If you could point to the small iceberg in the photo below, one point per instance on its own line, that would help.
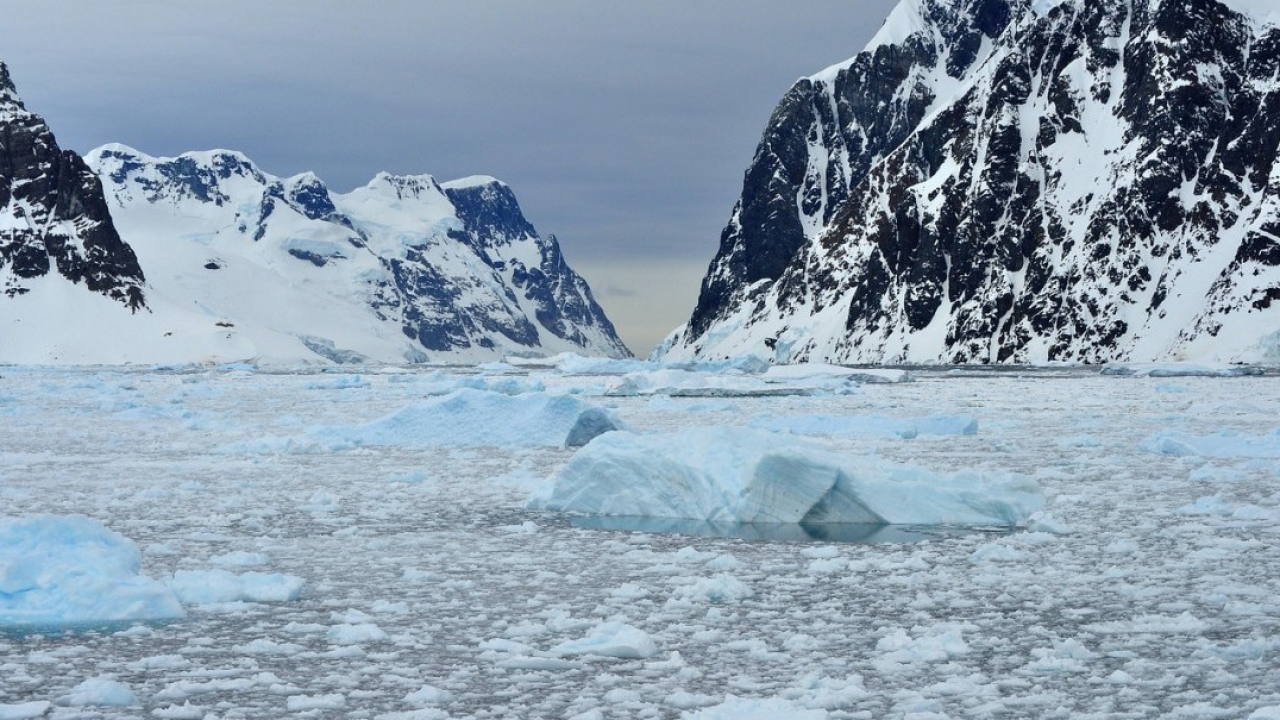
(67, 571)
(740, 475)
(470, 417)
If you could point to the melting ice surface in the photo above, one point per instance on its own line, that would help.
(1146, 587)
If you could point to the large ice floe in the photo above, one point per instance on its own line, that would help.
(480, 418)
(61, 571)
(742, 475)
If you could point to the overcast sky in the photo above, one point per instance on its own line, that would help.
(624, 128)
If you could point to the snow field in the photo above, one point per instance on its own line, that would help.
(1146, 588)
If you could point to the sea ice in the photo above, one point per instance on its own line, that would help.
(1225, 444)
(735, 708)
(66, 570)
(480, 418)
(99, 691)
(610, 639)
(749, 476)
(221, 586)
(24, 710)
(1162, 370)
(869, 426)
(685, 383)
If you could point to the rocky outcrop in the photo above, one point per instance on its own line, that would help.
(1014, 181)
(53, 216)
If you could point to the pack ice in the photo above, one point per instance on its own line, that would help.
(467, 417)
(743, 475)
(66, 570)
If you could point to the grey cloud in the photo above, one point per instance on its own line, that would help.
(623, 128)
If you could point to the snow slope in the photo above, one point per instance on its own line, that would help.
(400, 270)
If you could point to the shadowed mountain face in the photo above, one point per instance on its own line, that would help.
(1006, 181)
(53, 217)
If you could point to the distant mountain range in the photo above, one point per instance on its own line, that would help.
(204, 257)
(1015, 181)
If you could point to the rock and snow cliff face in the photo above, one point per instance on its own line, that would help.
(241, 265)
(402, 269)
(54, 221)
(1015, 181)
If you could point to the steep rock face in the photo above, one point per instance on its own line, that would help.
(53, 217)
(1012, 181)
(402, 269)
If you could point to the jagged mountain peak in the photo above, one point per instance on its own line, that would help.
(1013, 181)
(472, 181)
(54, 221)
(404, 187)
(400, 269)
(8, 93)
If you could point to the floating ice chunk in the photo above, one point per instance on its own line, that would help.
(735, 708)
(356, 634)
(855, 426)
(1208, 505)
(100, 691)
(67, 570)
(240, 558)
(1068, 656)
(22, 711)
(1225, 444)
(933, 644)
(1160, 370)
(1271, 712)
(480, 418)
(428, 695)
(1043, 522)
(748, 476)
(685, 383)
(185, 711)
(266, 646)
(995, 552)
(610, 639)
(1184, 623)
(810, 371)
(685, 700)
(521, 662)
(332, 701)
(718, 589)
(221, 586)
(816, 691)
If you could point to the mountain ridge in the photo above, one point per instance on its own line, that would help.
(1011, 181)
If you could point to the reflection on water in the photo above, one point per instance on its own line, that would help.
(854, 533)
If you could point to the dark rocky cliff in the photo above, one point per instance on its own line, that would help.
(1087, 181)
(53, 216)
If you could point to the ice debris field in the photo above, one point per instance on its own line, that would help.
(429, 543)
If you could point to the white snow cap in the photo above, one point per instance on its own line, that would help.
(471, 181)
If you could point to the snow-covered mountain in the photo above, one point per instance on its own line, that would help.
(242, 265)
(54, 223)
(1014, 181)
(402, 269)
